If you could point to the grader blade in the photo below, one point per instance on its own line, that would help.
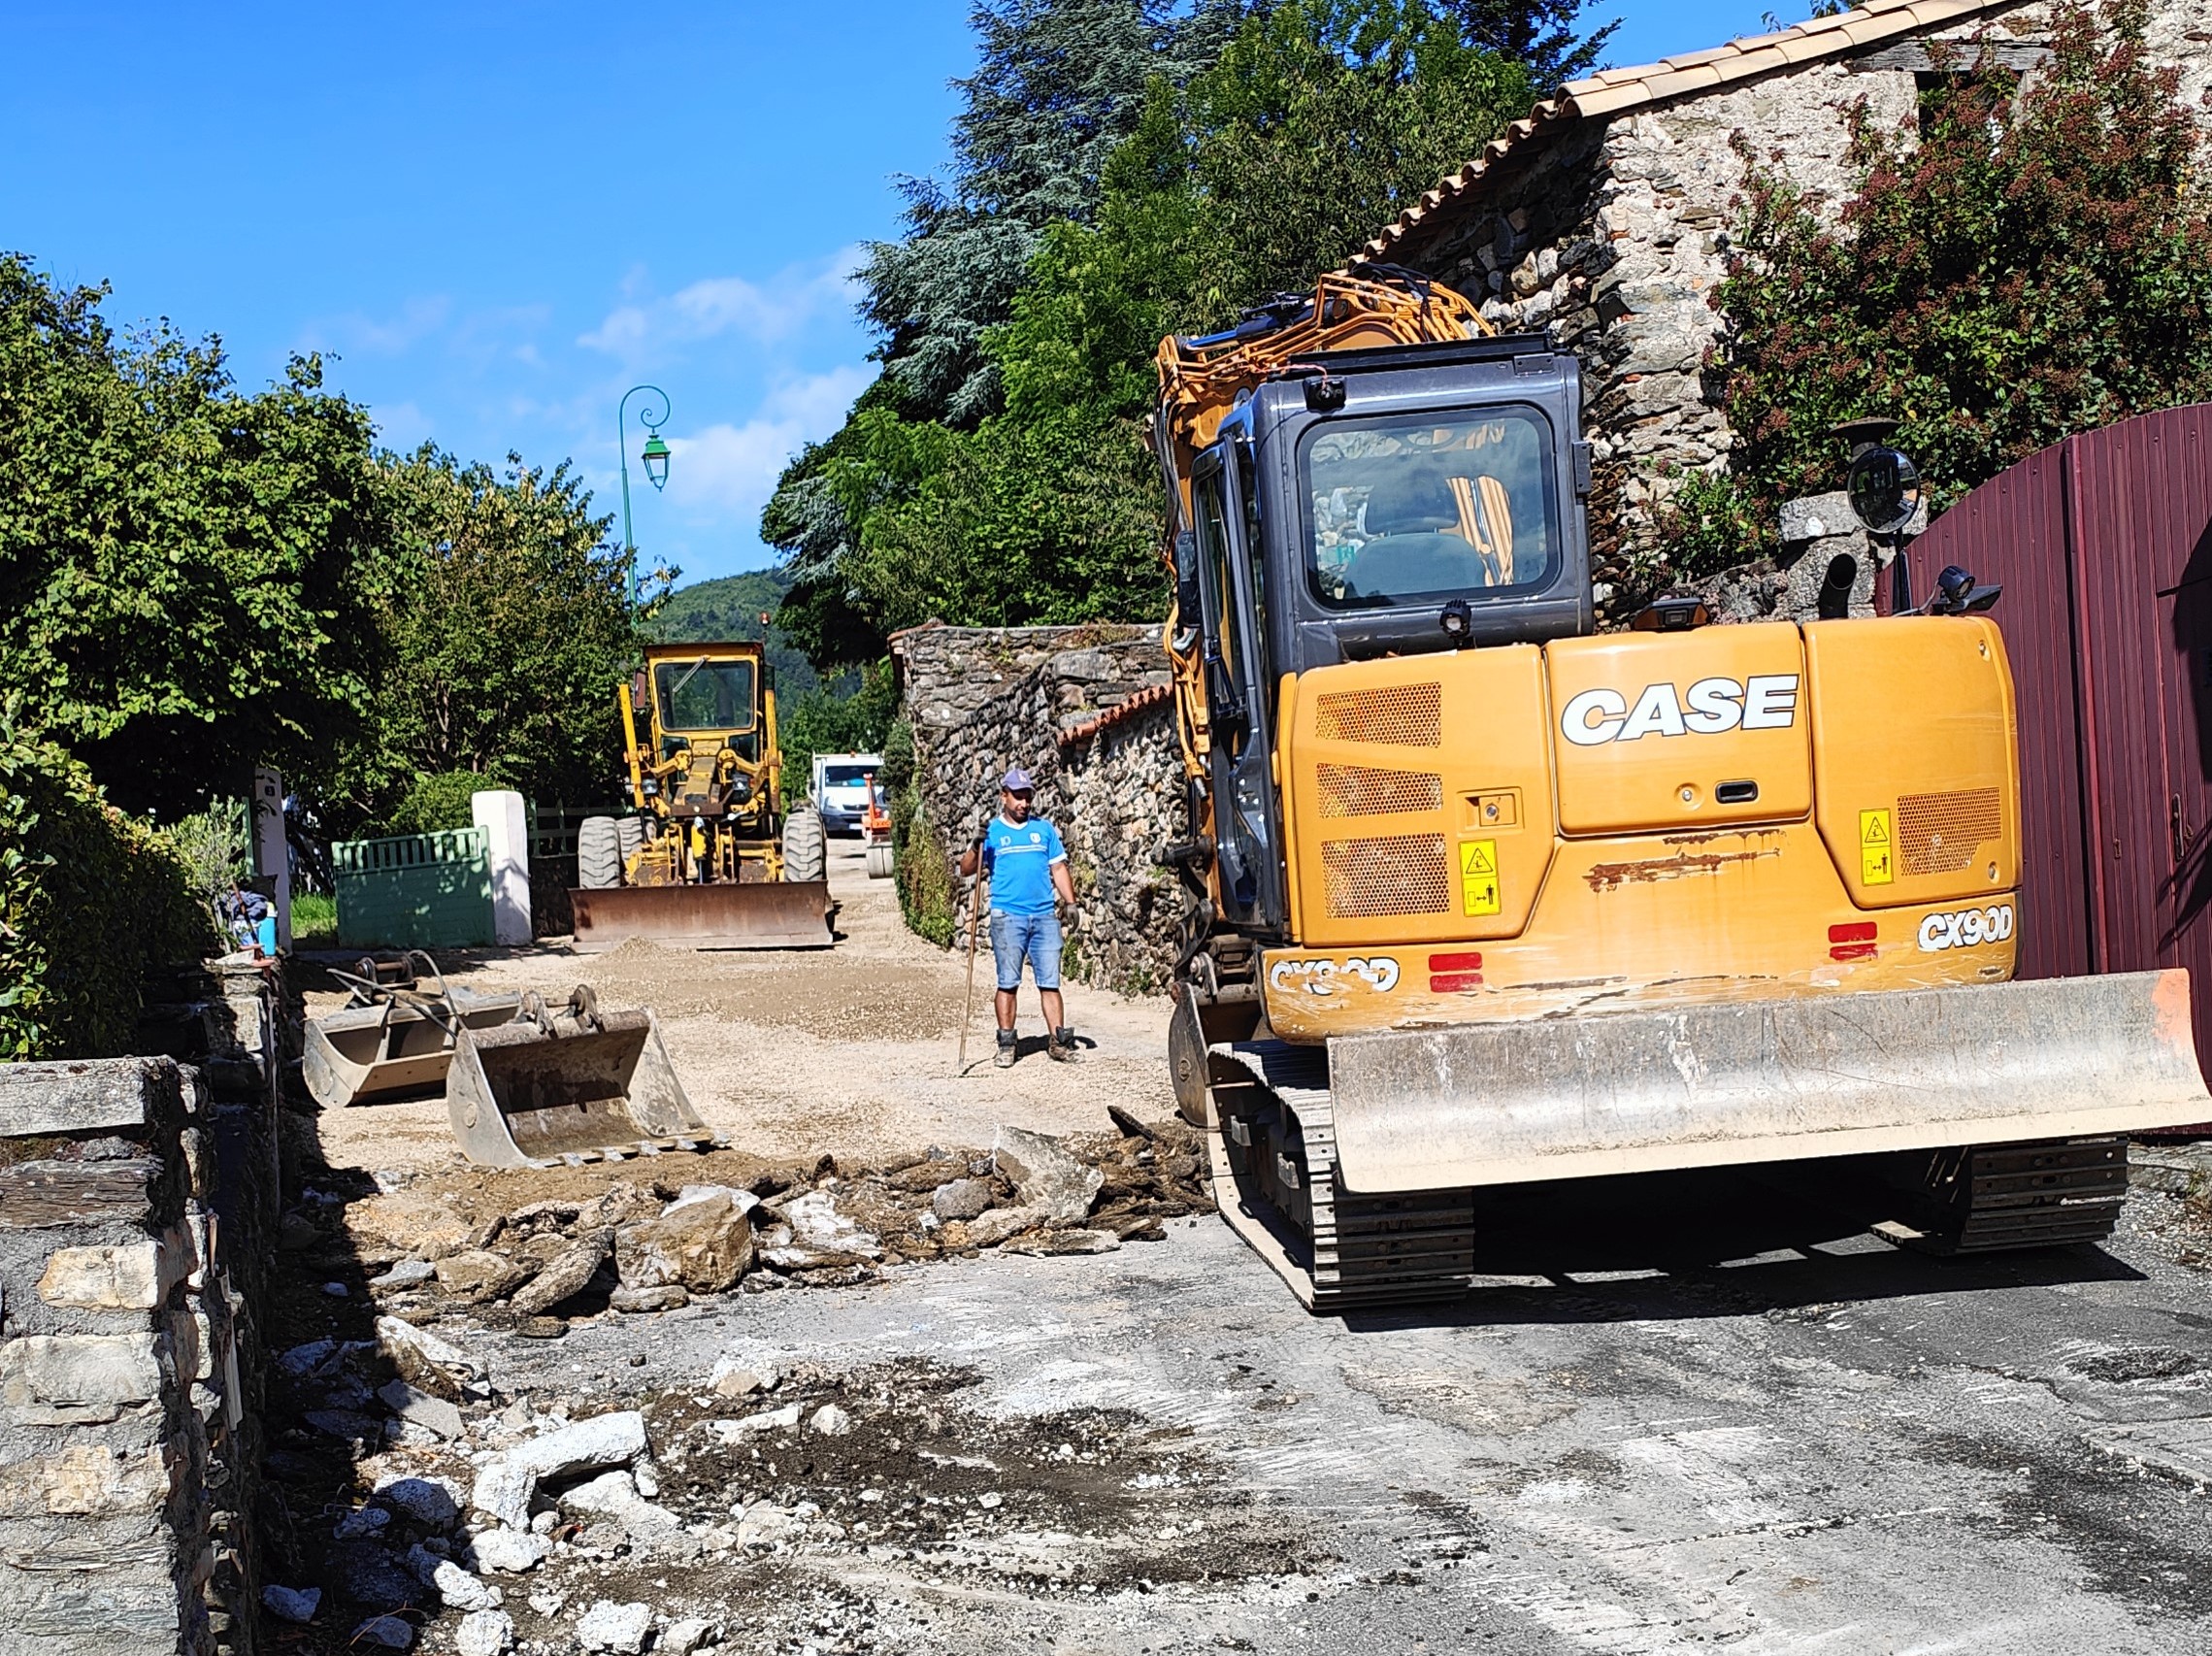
(569, 1088)
(1763, 1080)
(768, 915)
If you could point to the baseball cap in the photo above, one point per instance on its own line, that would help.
(1016, 780)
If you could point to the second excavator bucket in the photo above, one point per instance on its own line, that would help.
(578, 1086)
(763, 914)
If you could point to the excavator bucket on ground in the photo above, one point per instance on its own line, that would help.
(763, 914)
(394, 1041)
(1998, 1114)
(575, 1086)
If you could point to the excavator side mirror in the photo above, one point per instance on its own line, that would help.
(1186, 580)
(639, 701)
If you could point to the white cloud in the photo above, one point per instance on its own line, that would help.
(728, 468)
(767, 313)
(417, 320)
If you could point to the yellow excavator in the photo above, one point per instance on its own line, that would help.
(1481, 898)
(711, 859)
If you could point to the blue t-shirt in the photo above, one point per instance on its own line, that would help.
(1020, 858)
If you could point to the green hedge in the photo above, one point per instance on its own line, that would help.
(927, 895)
(90, 899)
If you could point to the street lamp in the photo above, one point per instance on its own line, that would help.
(655, 458)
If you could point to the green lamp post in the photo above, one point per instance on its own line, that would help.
(654, 457)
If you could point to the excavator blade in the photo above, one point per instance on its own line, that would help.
(528, 1095)
(1763, 1080)
(768, 915)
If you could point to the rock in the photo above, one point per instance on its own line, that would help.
(422, 1408)
(420, 1225)
(478, 1274)
(705, 1245)
(603, 1496)
(682, 1637)
(368, 1574)
(1000, 1223)
(637, 1301)
(543, 1328)
(831, 1421)
(617, 1627)
(384, 1632)
(548, 1603)
(816, 1224)
(301, 1361)
(461, 1591)
(484, 1633)
(503, 1490)
(1063, 1242)
(134, 1276)
(610, 1440)
(292, 1603)
(406, 1273)
(767, 1420)
(510, 1552)
(368, 1521)
(961, 1199)
(336, 1290)
(347, 1424)
(566, 1275)
(746, 1200)
(425, 1360)
(765, 1524)
(740, 1382)
(1045, 1175)
(428, 1500)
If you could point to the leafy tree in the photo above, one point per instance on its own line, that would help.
(509, 629)
(820, 722)
(188, 575)
(1540, 35)
(2023, 264)
(730, 608)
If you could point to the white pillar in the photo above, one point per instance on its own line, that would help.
(500, 814)
(271, 856)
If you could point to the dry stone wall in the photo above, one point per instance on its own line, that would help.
(1084, 709)
(138, 1198)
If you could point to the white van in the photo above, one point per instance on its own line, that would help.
(840, 790)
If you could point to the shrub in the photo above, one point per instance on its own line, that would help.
(90, 899)
(439, 800)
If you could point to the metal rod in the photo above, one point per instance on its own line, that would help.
(974, 917)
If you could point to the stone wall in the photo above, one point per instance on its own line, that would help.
(1085, 710)
(138, 1198)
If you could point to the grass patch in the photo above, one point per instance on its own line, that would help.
(315, 920)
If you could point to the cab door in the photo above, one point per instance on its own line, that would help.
(1247, 815)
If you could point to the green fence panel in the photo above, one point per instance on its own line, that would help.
(415, 890)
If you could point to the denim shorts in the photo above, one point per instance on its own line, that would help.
(1033, 936)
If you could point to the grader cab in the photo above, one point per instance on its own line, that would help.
(710, 857)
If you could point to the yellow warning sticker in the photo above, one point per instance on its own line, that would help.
(1875, 865)
(1478, 876)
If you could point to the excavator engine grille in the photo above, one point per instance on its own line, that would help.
(1402, 874)
(1405, 716)
(1362, 791)
(1939, 833)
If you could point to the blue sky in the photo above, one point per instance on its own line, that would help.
(499, 217)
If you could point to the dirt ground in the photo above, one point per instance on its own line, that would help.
(849, 1051)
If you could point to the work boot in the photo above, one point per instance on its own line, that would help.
(1005, 1059)
(1062, 1045)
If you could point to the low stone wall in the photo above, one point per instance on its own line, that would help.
(138, 1203)
(1085, 710)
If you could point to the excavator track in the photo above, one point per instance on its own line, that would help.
(1988, 1198)
(1273, 1145)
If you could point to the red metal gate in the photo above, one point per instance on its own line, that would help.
(2103, 544)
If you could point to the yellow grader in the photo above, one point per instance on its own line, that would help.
(1482, 899)
(711, 859)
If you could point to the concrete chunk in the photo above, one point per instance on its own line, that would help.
(1045, 1175)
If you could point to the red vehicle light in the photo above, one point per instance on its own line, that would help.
(1854, 940)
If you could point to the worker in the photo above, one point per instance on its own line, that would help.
(1027, 865)
(246, 915)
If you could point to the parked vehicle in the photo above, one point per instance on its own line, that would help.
(839, 788)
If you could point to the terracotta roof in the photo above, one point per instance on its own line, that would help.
(1622, 92)
(1137, 701)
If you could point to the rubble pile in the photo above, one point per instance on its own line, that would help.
(678, 1525)
(644, 1244)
